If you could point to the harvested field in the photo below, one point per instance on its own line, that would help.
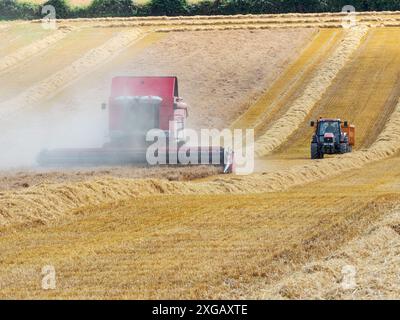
(42, 63)
(275, 101)
(37, 47)
(178, 241)
(287, 231)
(86, 62)
(21, 178)
(374, 278)
(16, 36)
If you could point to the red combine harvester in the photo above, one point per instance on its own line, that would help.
(136, 106)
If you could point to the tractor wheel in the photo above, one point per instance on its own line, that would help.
(350, 149)
(314, 151)
(343, 148)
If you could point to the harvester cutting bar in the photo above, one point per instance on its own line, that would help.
(102, 156)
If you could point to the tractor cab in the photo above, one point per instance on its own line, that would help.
(330, 128)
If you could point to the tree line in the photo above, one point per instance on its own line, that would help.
(12, 9)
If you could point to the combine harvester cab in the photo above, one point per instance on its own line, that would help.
(136, 106)
(331, 136)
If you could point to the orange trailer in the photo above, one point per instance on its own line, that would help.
(350, 130)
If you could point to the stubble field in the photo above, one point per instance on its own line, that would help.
(286, 231)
